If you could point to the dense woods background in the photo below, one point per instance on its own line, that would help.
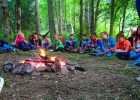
(66, 16)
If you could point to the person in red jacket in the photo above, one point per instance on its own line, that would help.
(62, 39)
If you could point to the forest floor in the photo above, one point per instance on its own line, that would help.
(105, 79)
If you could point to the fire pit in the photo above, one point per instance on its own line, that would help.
(43, 62)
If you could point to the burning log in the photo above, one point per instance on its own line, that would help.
(25, 68)
(43, 63)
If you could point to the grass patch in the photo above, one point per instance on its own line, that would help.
(108, 58)
(98, 67)
(127, 70)
(101, 67)
(74, 58)
(86, 56)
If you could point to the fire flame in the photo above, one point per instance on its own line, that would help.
(43, 52)
(22, 61)
(39, 64)
(53, 58)
(62, 63)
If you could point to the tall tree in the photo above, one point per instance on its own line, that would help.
(124, 13)
(92, 17)
(112, 17)
(18, 16)
(6, 20)
(87, 15)
(96, 14)
(37, 17)
(81, 17)
(51, 19)
(60, 17)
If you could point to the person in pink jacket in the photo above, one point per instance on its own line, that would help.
(21, 42)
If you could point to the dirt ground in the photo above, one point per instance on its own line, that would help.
(104, 79)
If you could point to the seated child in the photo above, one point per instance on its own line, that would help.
(131, 38)
(36, 40)
(136, 45)
(62, 39)
(71, 43)
(108, 43)
(94, 44)
(58, 46)
(31, 42)
(83, 43)
(5, 46)
(46, 43)
(123, 47)
(21, 42)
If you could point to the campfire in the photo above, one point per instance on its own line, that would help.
(43, 62)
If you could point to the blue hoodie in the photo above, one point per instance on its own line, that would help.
(97, 43)
(108, 43)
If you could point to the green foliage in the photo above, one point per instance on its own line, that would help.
(108, 58)
(102, 67)
(127, 70)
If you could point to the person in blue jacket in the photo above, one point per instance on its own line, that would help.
(94, 43)
(108, 43)
(71, 43)
(83, 43)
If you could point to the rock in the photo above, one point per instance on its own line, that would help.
(80, 68)
(69, 67)
(32, 69)
(64, 70)
(69, 62)
(25, 68)
(41, 68)
(56, 67)
(49, 69)
(17, 68)
(8, 67)
(7, 62)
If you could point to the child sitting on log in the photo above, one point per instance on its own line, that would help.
(58, 46)
(123, 47)
(108, 43)
(71, 43)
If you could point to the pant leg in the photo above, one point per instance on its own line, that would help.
(123, 55)
(9, 47)
(74, 45)
(133, 54)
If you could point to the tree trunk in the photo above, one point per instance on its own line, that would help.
(18, 17)
(65, 21)
(124, 12)
(0, 17)
(74, 18)
(87, 16)
(92, 17)
(37, 17)
(6, 20)
(96, 15)
(120, 24)
(60, 17)
(51, 19)
(81, 17)
(112, 17)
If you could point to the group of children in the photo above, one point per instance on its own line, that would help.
(108, 46)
